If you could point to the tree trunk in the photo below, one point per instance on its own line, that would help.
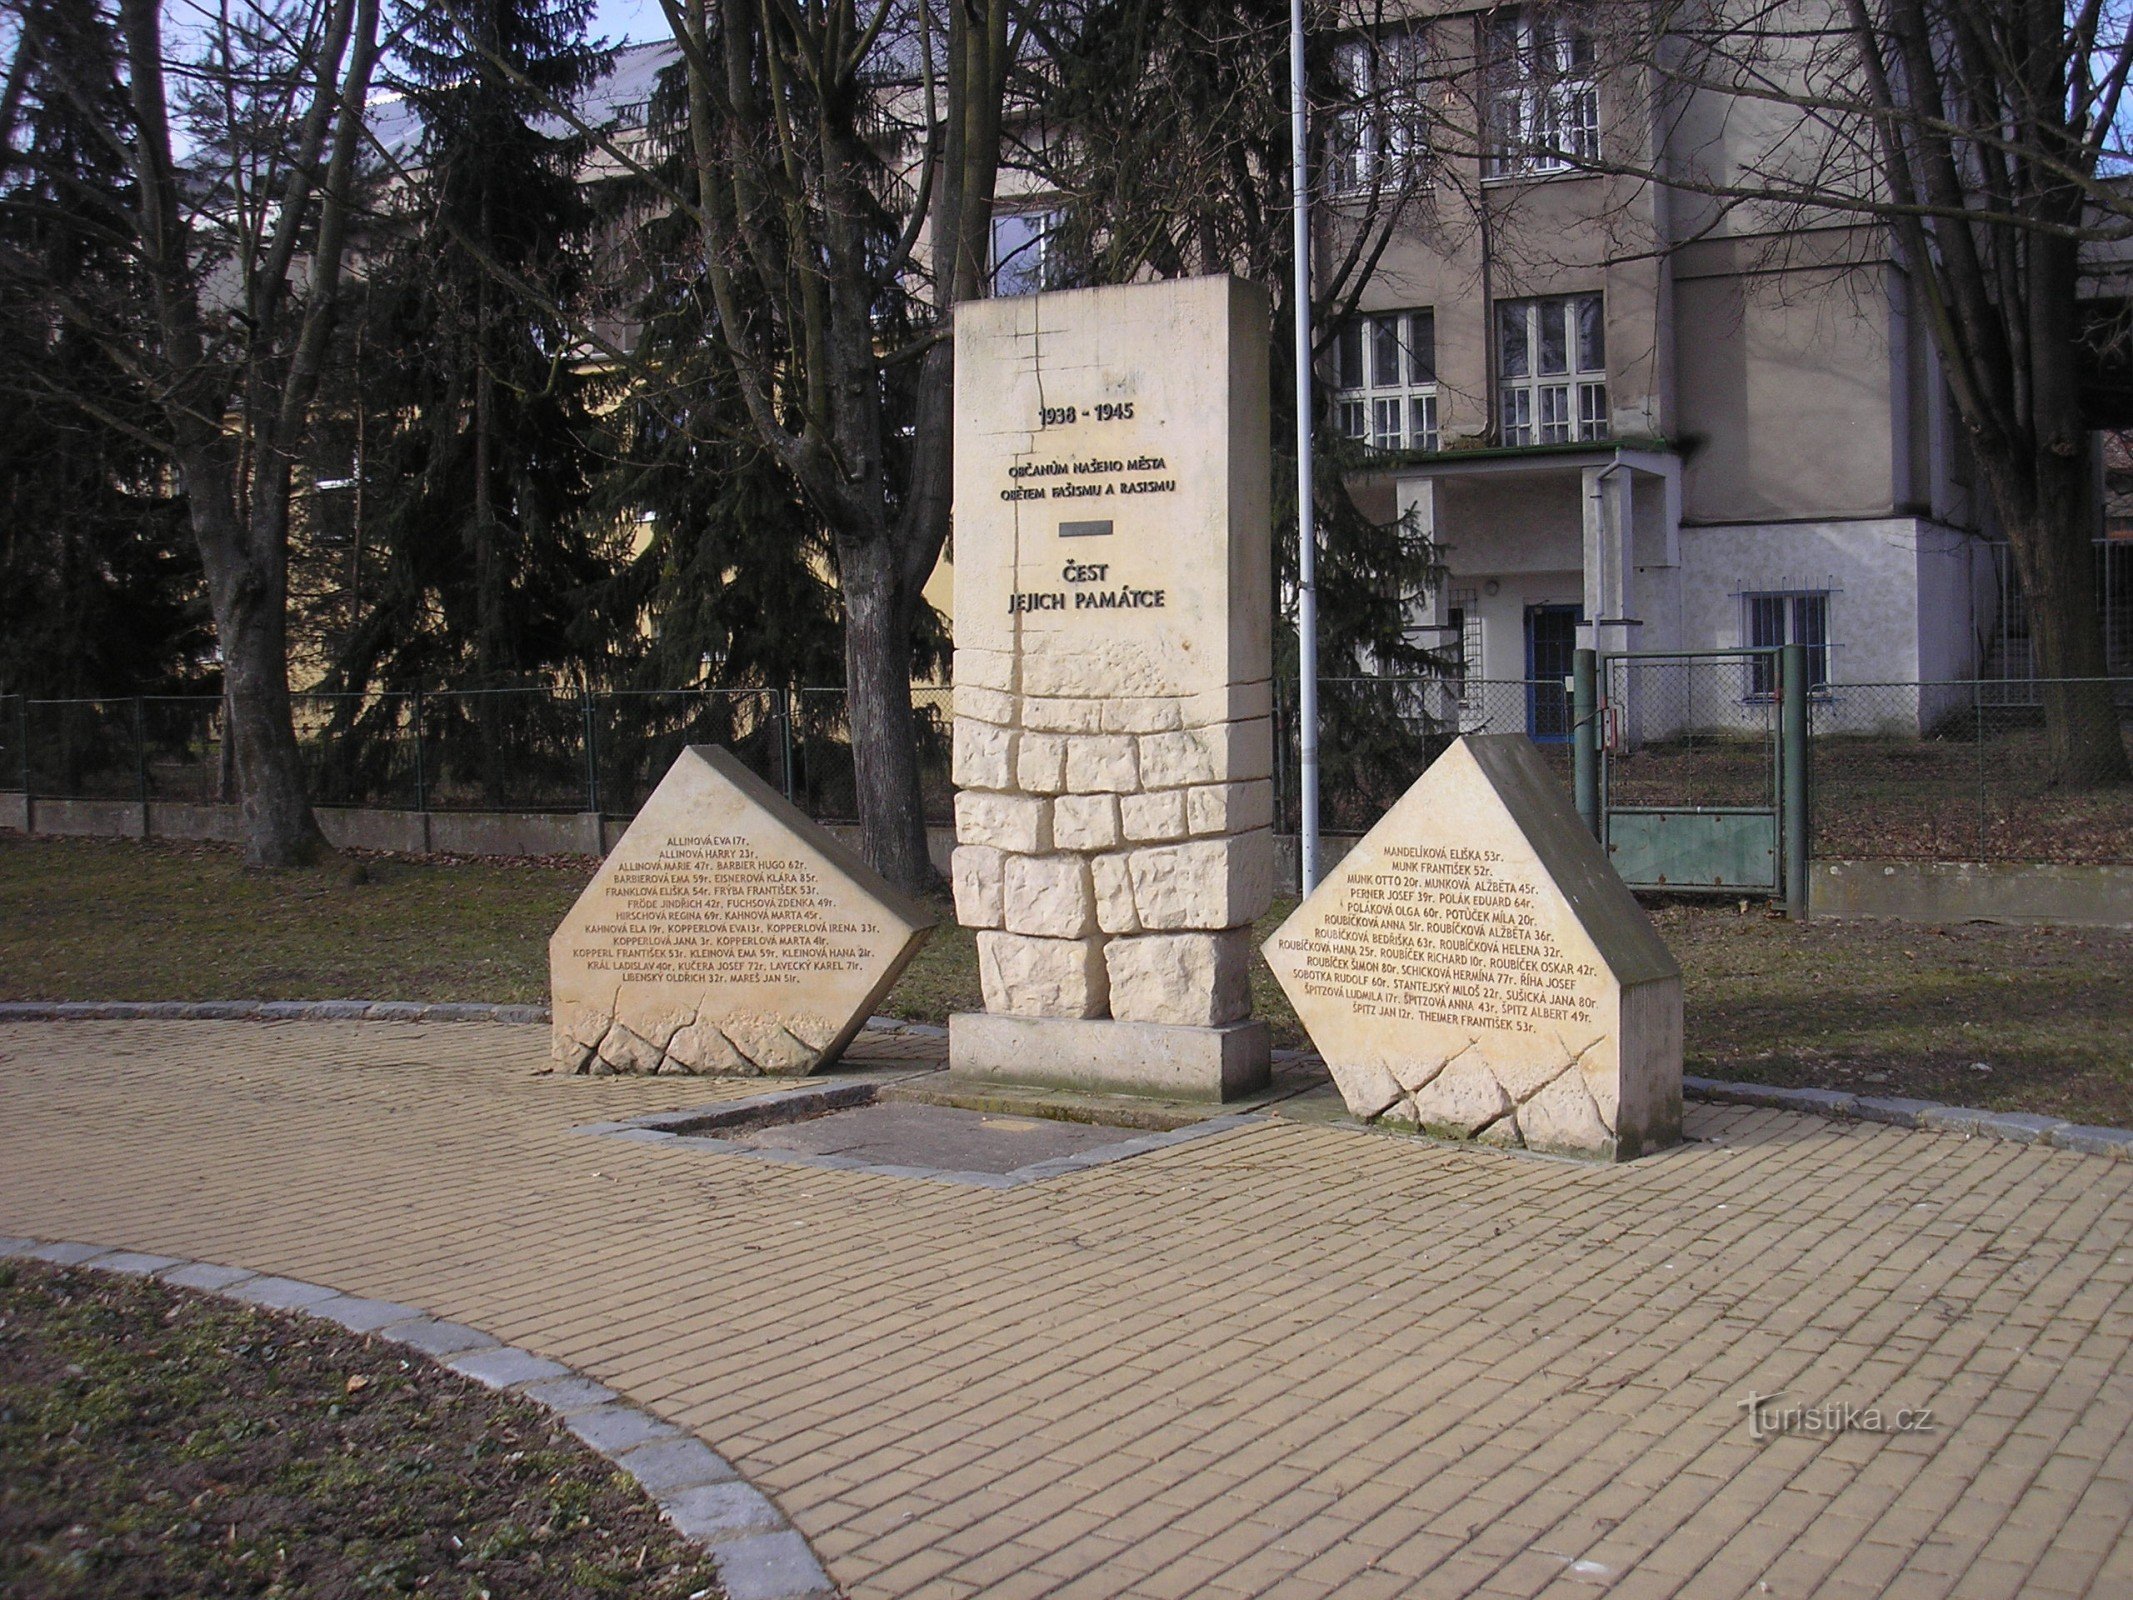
(877, 679)
(251, 624)
(2057, 566)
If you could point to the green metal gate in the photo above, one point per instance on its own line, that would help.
(1692, 768)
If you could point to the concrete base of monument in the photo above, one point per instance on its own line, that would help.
(1106, 1056)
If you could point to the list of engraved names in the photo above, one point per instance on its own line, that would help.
(712, 909)
(1441, 933)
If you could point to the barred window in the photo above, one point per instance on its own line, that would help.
(1551, 369)
(1462, 642)
(1792, 617)
(1543, 96)
(1385, 379)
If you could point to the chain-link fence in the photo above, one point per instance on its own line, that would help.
(13, 708)
(1934, 771)
(1690, 731)
(1377, 735)
(530, 750)
(1964, 771)
(824, 785)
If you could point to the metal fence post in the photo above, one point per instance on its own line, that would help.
(140, 759)
(1792, 774)
(785, 732)
(1585, 736)
(22, 717)
(592, 757)
(1281, 765)
(422, 776)
(1984, 782)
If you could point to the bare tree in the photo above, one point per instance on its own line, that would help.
(1980, 144)
(240, 243)
(843, 162)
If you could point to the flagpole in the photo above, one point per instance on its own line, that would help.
(1306, 517)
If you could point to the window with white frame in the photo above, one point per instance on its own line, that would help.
(1543, 93)
(1385, 379)
(1025, 255)
(1795, 616)
(1551, 369)
(1379, 133)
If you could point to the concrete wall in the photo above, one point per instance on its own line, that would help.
(471, 833)
(1964, 891)
(102, 819)
(188, 819)
(1869, 567)
(1787, 400)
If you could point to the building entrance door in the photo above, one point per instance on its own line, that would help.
(1551, 647)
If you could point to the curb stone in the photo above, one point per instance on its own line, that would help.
(2014, 1127)
(758, 1553)
(326, 1011)
(265, 1011)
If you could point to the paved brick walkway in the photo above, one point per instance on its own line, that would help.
(1284, 1360)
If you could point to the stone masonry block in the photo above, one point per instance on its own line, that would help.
(1048, 897)
(1154, 818)
(1028, 977)
(1040, 764)
(1226, 753)
(1199, 980)
(985, 669)
(1052, 714)
(1230, 807)
(1086, 821)
(1240, 702)
(975, 870)
(986, 705)
(1104, 763)
(1113, 880)
(984, 755)
(1205, 884)
(1153, 714)
(1018, 822)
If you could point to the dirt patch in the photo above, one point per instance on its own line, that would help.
(157, 1442)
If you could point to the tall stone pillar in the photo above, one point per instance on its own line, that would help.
(1113, 742)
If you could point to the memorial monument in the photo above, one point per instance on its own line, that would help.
(725, 933)
(1113, 749)
(1474, 968)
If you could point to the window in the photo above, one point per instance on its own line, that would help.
(1800, 617)
(1544, 100)
(1551, 369)
(1380, 129)
(1385, 380)
(1462, 642)
(1024, 251)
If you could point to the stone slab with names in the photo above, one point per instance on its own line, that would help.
(725, 933)
(1113, 748)
(1475, 969)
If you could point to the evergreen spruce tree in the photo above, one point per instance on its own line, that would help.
(731, 584)
(100, 586)
(482, 422)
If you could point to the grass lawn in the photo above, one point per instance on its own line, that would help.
(1891, 1008)
(158, 1442)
